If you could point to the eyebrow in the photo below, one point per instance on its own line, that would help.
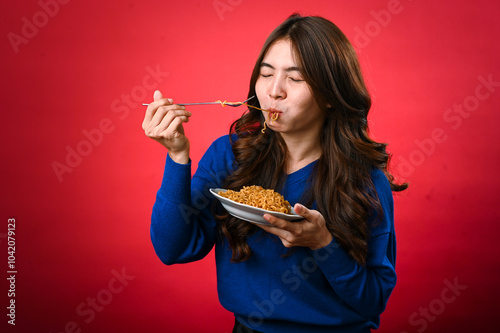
(288, 69)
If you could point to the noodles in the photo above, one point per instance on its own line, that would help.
(274, 116)
(259, 197)
(254, 107)
(263, 130)
(223, 104)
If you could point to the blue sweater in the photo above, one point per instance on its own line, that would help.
(309, 291)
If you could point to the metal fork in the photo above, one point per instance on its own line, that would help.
(233, 104)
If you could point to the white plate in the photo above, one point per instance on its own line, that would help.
(250, 213)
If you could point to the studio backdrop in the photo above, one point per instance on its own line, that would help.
(79, 177)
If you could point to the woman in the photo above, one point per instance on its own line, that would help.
(332, 271)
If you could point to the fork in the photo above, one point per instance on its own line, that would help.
(233, 104)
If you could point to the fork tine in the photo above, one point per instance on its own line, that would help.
(234, 105)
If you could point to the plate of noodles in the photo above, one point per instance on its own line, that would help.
(252, 202)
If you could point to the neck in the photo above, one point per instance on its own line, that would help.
(302, 150)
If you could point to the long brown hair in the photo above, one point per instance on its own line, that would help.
(342, 186)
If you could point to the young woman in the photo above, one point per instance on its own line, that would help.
(332, 271)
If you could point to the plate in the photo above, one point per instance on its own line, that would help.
(250, 213)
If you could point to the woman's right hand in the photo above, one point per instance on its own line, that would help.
(163, 123)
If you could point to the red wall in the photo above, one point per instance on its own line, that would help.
(79, 177)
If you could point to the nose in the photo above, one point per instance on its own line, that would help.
(277, 89)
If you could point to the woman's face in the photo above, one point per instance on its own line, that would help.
(281, 88)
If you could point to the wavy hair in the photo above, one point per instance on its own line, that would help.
(342, 186)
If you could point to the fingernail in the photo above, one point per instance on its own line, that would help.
(170, 100)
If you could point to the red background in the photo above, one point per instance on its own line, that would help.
(85, 65)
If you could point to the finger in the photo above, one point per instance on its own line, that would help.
(169, 124)
(280, 223)
(273, 230)
(153, 107)
(283, 235)
(306, 213)
(175, 129)
(162, 112)
(173, 119)
(152, 110)
(157, 95)
(165, 120)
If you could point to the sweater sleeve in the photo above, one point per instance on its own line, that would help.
(365, 289)
(182, 226)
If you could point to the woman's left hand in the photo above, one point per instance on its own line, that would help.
(310, 232)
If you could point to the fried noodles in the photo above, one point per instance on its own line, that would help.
(273, 116)
(259, 197)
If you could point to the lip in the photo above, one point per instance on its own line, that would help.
(274, 110)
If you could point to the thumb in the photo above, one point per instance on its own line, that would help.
(157, 95)
(303, 211)
(308, 214)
